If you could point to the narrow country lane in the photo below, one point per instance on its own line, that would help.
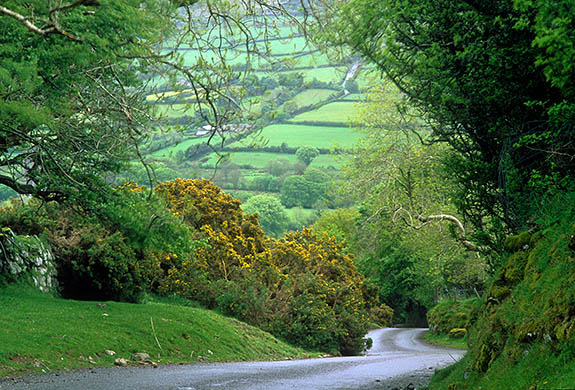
(398, 357)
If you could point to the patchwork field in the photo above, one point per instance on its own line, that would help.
(259, 160)
(294, 135)
(292, 94)
(337, 112)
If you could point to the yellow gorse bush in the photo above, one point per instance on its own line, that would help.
(301, 287)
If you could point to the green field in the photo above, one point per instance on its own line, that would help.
(172, 150)
(300, 135)
(40, 333)
(259, 160)
(289, 45)
(312, 96)
(326, 75)
(175, 110)
(298, 57)
(337, 112)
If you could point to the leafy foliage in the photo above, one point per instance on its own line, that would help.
(301, 287)
(61, 96)
(490, 78)
(449, 315)
(527, 307)
(306, 154)
(271, 213)
(116, 252)
(399, 183)
(321, 297)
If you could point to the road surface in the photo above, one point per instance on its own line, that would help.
(398, 357)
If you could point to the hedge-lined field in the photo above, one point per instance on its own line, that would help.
(337, 112)
(303, 135)
(259, 160)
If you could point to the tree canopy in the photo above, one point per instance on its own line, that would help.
(74, 76)
(491, 80)
(70, 102)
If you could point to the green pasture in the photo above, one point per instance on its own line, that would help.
(170, 151)
(312, 96)
(175, 110)
(259, 160)
(337, 112)
(295, 135)
(288, 45)
(336, 74)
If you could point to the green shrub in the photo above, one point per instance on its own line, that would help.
(457, 333)
(95, 264)
(115, 249)
(450, 315)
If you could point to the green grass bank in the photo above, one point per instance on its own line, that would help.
(522, 334)
(40, 333)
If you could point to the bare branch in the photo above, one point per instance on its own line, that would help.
(51, 24)
(24, 20)
(425, 220)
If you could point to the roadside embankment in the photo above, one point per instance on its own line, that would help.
(41, 333)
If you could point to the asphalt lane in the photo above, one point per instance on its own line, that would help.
(396, 354)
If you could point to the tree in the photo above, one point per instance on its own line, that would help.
(71, 104)
(306, 154)
(278, 167)
(339, 223)
(490, 78)
(298, 191)
(407, 233)
(271, 213)
(73, 81)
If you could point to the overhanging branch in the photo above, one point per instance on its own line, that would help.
(461, 236)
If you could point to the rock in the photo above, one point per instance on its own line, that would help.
(457, 333)
(410, 387)
(109, 352)
(148, 363)
(141, 357)
(121, 362)
(202, 358)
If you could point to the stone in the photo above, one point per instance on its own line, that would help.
(141, 357)
(109, 352)
(121, 362)
(457, 333)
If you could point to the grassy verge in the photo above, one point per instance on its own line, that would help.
(40, 333)
(539, 368)
(444, 340)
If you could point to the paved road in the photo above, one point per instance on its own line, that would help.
(397, 357)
